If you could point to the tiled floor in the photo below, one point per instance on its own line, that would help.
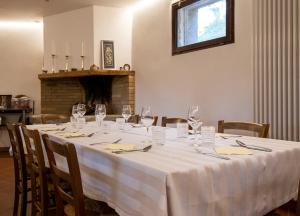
(7, 190)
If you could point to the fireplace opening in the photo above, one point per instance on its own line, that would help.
(97, 90)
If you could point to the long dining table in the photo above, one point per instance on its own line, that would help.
(176, 180)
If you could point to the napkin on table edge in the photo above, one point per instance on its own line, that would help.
(228, 150)
(121, 147)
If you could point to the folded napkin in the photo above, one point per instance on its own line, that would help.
(232, 151)
(72, 134)
(121, 147)
(53, 129)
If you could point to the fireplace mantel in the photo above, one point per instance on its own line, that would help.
(85, 73)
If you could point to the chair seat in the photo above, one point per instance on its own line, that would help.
(92, 208)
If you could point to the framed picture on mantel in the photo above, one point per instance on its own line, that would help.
(107, 54)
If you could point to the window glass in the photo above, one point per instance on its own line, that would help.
(202, 21)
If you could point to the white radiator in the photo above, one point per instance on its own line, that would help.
(276, 66)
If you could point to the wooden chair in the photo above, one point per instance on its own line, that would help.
(261, 129)
(76, 202)
(49, 119)
(165, 120)
(298, 202)
(137, 118)
(42, 193)
(22, 179)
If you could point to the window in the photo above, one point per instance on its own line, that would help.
(200, 24)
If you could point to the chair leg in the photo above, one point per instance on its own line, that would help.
(33, 194)
(33, 210)
(16, 200)
(298, 207)
(24, 194)
(23, 203)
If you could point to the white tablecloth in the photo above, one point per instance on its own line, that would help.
(175, 180)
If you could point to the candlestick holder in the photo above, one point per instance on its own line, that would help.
(53, 63)
(67, 63)
(82, 62)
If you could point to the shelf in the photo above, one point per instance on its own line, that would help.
(85, 73)
(12, 110)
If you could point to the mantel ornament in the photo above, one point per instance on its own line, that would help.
(94, 67)
(126, 67)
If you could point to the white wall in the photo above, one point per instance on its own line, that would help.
(113, 24)
(218, 79)
(21, 61)
(71, 27)
(91, 25)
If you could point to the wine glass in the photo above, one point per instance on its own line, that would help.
(194, 119)
(126, 112)
(147, 117)
(100, 113)
(81, 110)
(75, 113)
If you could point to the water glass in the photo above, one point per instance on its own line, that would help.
(73, 121)
(182, 130)
(158, 135)
(80, 122)
(208, 134)
(106, 127)
(120, 123)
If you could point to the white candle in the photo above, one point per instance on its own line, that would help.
(53, 49)
(82, 48)
(43, 67)
(67, 49)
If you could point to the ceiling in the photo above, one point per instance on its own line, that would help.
(36, 9)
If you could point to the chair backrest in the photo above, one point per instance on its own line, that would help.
(71, 177)
(261, 129)
(39, 182)
(165, 120)
(20, 167)
(137, 118)
(49, 119)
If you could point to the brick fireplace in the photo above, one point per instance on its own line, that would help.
(60, 91)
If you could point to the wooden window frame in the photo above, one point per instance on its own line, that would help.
(228, 39)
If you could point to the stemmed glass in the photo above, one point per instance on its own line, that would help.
(100, 113)
(81, 110)
(194, 120)
(147, 117)
(75, 116)
(126, 112)
(75, 112)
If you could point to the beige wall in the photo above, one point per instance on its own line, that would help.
(219, 79)
(113, 24)
(69, 28)
(91, 25)
(21, 61)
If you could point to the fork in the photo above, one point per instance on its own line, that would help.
(240, 143)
